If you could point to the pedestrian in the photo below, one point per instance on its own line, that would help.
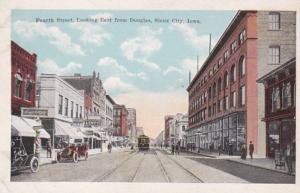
(251, 149)
(288, 158)
(173, 148)
(109, 147)
(49, 148)
(219, 149)
(244, 152)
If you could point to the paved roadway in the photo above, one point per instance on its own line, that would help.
(152, 166)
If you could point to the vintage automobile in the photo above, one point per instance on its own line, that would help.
(73, 152)
(20, 160)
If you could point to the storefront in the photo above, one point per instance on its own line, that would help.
(228, 131)
(280, 100)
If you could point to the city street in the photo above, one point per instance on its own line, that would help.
(154, 165)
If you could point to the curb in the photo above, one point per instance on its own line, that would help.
(279, 171)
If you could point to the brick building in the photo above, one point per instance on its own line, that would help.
(120, 120)
(23, 78)
(225, 103)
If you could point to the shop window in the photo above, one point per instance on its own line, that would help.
(275, 99)
(273, 138)
(232, 74)
(60, 104)
(242, 66)
(28, 88)
(274, 21)
(274, 55)
(286, 95)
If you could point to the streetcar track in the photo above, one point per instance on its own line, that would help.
(163, 168)
(136, 171)
(110, 172)
(182, 167)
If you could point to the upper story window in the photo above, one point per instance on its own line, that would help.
(226, 55)
(215, 68)
(214, 89)
(232, 74)
(18, 85)
(274, 21)
(275, 99)
(80, 112)
(210, 73)
(286, 95)
(220, 62)
(225, 83)
(233, 46)
(60, 104)
(219, 85)
(242, 95)
(72, 108)
(274, 55)
(28, 87)
(242, 66)
(76, 111)
(242, 36)
(66, 106)
(209, 93)
(232, 99)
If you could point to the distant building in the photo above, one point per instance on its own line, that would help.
(181, 124)
(131, 123)
(120, 120)
(23, 78)
(226, 104)
(139, 131)
(159, 140)
(93, 87)
(109, 107)
(168, 121)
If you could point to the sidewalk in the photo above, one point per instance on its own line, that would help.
(265, 163)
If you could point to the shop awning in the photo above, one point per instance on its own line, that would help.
(20, 128)
(63, 129)
(33, 123)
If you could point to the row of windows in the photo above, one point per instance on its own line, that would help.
(78, 112)
(281, 96)
(217, 87)
(27, 86)
(222, 105)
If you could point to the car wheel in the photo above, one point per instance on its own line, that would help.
(75, 157)
(58, 158)
(86, 155)
(34, 165)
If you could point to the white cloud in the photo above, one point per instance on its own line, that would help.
(171, 69)
(114, 83)
(190, 65)
(57, 38)
(153, 106)
(140, 48)
(111, 62)
(191, 36)
(51, 67)
(93, 33)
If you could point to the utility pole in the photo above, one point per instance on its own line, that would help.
(209, 44)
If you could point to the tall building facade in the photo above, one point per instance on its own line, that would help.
(120, 120)
(23, 78)
(109, 108)
(168, 120)
(131, 123)
(93, 87)
(225, 103)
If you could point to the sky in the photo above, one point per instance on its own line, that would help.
(143, 57)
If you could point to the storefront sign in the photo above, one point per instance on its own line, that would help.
(92, 122)
(34, 112)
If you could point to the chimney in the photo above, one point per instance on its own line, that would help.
(189, 77)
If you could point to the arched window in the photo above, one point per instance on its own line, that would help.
(242, 66)
(232, 74)
(214, 89)
(225, 81)
(18, 85)
(209, 93)
(219, 85)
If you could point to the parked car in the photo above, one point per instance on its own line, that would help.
(20, 160)
(73, 152)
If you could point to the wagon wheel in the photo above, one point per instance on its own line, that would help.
(34, 165)
(75, 157)
(86, 155)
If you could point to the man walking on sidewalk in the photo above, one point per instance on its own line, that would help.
(251, 149)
